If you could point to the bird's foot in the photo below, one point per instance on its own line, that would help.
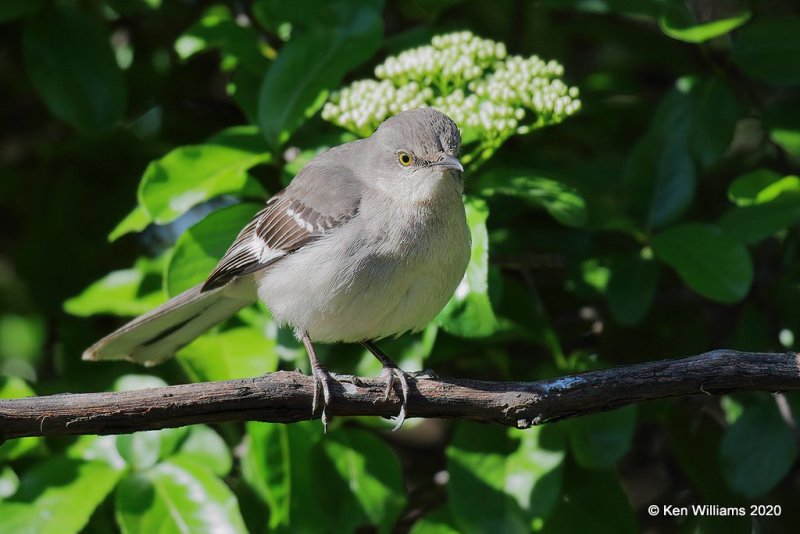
(322, 380)
(391, 374)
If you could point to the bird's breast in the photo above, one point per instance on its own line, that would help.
(391, 272)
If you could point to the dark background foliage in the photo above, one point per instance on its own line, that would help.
(660, 221)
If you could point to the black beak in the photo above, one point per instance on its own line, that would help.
(450, 163)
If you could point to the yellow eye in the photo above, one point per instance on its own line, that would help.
(405, 159)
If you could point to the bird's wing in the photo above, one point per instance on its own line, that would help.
(291, 219)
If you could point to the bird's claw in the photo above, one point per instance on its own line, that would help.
(322, 387)
(391, 374)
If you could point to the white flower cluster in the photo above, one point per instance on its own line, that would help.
(470, 79)
(452, 58)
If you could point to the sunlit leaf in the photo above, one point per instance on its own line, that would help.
(177, 495)
(189, 175)
(276, 466)
(203, 445)
(199, 249)
(16, 388)
(236, 353)
(440, 521)
(373, 475)
(140, 450)
(9, 482)
(469, 313)
(762, 186)
(678, 21)
(503, 478)
(57, 496)
(127, 292)
(782, 120)
(135, 221)
(561, 201)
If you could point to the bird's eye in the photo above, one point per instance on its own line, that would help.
(405, 159)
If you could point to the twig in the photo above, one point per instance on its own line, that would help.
(285, 397)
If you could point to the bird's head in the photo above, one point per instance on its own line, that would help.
(416, 155)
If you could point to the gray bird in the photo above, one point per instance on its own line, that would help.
(369, 240)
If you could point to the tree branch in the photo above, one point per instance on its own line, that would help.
(285, 397)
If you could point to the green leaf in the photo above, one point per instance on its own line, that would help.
(15, 9)
(632, 286)
(57, 496)
(190, 175)
(693, 127)
(782, 120)
(70, 63)
(503, 477)
(128, 292)
(711, 262)
(242, 352)
(304, 13)
(243, 88)
(768, 50)
(9, 482)
(714, 114)
(373, 475)
(276, 466)
(199, 249)
(663, 178)
(440, 521)
(133, 382)
(678, 21)
(21, 337)
(592, 502)
(240, 45)
(177, 495)
(766, 203)
(16, 388)
(762, 186)
(101, 448)
(560, 200)
(293, 470)
(140, 450)
(313, 63)
(136, 221)
(598, 441)
(469, 312)
(757, 451)
(206, 447)
(752, 224)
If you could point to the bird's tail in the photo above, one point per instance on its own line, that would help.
(158, 334)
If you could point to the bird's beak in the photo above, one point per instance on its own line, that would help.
(449, 162)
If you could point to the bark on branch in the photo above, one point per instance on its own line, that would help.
(285, 397)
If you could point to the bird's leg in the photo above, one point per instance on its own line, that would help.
(390, 373)
(321, 383)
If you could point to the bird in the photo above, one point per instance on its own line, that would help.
(368, 241)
